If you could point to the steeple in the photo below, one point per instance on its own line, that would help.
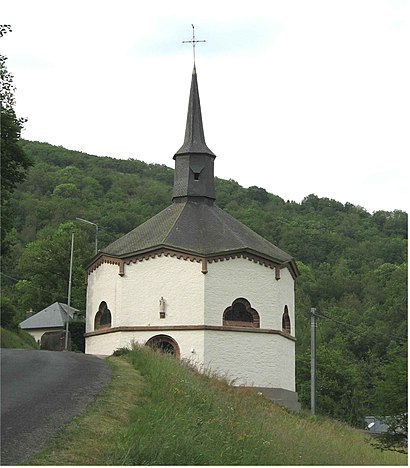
(194, 141)
(194, 161)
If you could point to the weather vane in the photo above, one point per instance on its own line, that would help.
(194, 41)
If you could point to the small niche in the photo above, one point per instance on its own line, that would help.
(162, 308)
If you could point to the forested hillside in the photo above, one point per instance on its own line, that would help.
(352, 263)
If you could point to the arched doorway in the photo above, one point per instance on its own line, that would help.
(164, 344)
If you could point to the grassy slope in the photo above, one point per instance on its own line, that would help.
(157, 412)
(91, 438)
(17, 339)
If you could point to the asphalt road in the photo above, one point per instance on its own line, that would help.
(40, 392)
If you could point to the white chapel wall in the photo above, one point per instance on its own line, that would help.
(106, 344)
(255, 359)
(133, 298)
(190, 342)
(103, 285)
(240, 277)
(181, 284)
(192, 298)
(251, 359)
(287, 296)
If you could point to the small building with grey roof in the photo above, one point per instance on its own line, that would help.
(52, 318)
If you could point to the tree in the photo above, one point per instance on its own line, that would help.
(44, 266)
(391, 398)
(14, 161)
(9, 313)
(339, 391)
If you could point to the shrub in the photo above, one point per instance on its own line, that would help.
(121, 351)
(77, 330)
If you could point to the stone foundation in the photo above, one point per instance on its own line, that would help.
(282, 397)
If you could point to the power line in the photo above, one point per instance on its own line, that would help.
(30, 285)
(349, 325)
(10, 277)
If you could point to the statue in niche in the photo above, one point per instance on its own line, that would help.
(162, 308)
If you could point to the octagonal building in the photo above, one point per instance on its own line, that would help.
(197, 283)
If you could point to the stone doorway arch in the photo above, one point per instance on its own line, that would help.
(164, 344)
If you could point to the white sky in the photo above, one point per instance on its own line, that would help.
(298, 96)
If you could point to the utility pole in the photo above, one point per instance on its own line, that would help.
(69, 292)
(313, 361)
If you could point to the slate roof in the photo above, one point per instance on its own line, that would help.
(195, 227)
(53, 316)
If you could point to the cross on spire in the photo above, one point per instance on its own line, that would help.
(194, 41)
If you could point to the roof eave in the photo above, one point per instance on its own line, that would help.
(183, 152)
(289, 263)
(42, 327)
(95, 258)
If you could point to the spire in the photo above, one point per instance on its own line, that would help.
(194, 161)
(194, 132)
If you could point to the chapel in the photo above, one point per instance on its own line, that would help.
(195, 282)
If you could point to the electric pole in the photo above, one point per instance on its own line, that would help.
(313, 361)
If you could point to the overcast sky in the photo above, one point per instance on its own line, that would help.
(298, 96)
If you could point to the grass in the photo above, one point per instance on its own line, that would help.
(90, 439)
(19, 339)
(159, 412)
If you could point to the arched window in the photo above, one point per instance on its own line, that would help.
(240, 314)
(286, 320)
(164, 344)
(102, 317)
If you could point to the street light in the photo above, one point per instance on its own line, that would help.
(96, 232)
